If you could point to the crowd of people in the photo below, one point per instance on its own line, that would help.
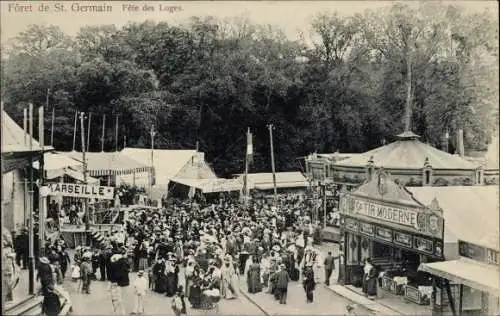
(215, 245)
(197, 254)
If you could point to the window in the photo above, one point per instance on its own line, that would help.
(381, 251)
(427, 178)
(479, 176)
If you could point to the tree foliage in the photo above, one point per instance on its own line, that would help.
(208, 80)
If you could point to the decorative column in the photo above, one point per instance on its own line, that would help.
(479, 176)
(370, 168)
(427, 173)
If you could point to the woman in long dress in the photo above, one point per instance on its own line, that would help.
(159, 276)
(228, 275)
(309, 283)
(253, 277)
(171, 279)
(195, 292)
(369, 279)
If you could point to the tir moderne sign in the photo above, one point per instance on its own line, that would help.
(82, 190)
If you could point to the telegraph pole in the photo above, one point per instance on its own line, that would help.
(103, 131)
(42, 200)
(74, 130)
(270, 126)
(88, 132)
(153, 134)
(31, 246)
(116, 133)
(85, 206)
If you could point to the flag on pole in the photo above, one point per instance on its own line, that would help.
(249, 147)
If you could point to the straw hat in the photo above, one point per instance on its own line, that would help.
(44, 260)
(276, 248)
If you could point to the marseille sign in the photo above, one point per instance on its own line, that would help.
(82, 190)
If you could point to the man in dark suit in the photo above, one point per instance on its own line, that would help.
(329, 267)
(282, 279)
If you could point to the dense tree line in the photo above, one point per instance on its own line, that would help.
(347, 87)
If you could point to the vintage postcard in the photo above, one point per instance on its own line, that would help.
(250, 157)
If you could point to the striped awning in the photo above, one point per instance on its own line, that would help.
(110, 164)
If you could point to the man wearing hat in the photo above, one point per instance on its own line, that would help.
(282, 280)
(86, 272)
(45, 274)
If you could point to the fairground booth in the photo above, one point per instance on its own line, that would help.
(467, 282)
(262, 184)
(407, 231)
(382, 221)
(211, 189)
(411, 163)
(102, 200)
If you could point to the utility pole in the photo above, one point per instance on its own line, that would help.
(247, 164)
(153, 134)
(1, 183)
(116, 133)
(52, 126)
(324, 206)
(42, 200)
(88, 132)
(85, 206)
(270, 126)
(31, 235)
(74, 130)
(103, 131)
(25, 126)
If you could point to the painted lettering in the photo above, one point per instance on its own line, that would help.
(402, 216)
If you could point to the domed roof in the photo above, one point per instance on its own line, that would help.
(408, 152)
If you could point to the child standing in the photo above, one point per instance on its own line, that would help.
(140, 287)
(178, 303)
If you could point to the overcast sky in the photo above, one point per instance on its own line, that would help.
(291, 16)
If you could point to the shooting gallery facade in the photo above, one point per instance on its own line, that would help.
(383, 221)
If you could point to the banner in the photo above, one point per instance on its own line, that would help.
(82, 190)
(249, 147)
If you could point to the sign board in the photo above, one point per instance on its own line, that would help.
(417, 243)
(82, 190)
(367, 229)
(424, 245)
(383, 233)
(223, 185)
(401, 216)
(478, 253)
(415, 220)
(403, 239)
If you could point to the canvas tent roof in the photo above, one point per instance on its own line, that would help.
(74, 174)
(465, 271)
(264, 181)
(471, 213)
(167, 163)
(394, 193)
(13, 137)
(15, 153)
(109, 163)
(55, 161)
(408, 153)
(212, 185)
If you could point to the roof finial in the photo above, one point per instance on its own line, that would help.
(427, 162)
